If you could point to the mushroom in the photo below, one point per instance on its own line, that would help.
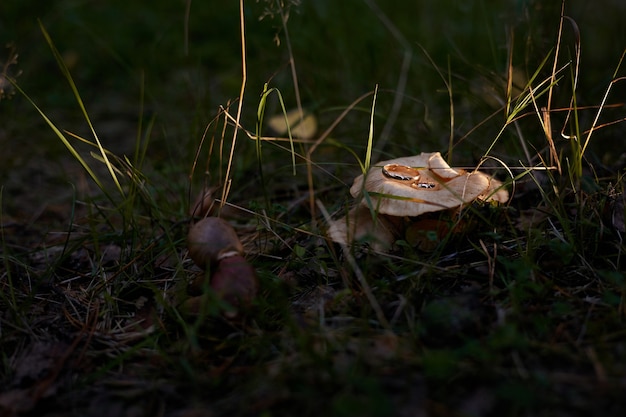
(360, 224)
(212, 239)
(423, 183)
(214, 245)
(409, 187)
(302, 126)
(235, 281)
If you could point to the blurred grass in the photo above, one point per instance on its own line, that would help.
(341, 51)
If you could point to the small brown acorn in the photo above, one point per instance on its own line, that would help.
(212, 239)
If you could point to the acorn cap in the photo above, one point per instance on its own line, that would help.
(423, 183)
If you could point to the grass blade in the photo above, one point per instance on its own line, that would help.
(70, 80)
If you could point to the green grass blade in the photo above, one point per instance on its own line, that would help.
(70, 80)
(64, 140)
(370, 137)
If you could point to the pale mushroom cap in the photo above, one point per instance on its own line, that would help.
(495, 192)
(303, 128)
(358, 225)
(435, 186)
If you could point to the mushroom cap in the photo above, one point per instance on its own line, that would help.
(358, 225)
(304, 127)
(212, 239)
(423, 183)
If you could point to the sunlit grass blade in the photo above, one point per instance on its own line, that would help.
(370, 135)
(261, 113)
(529, 96)
(66, 142)
(242, 90)
(66, 73)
